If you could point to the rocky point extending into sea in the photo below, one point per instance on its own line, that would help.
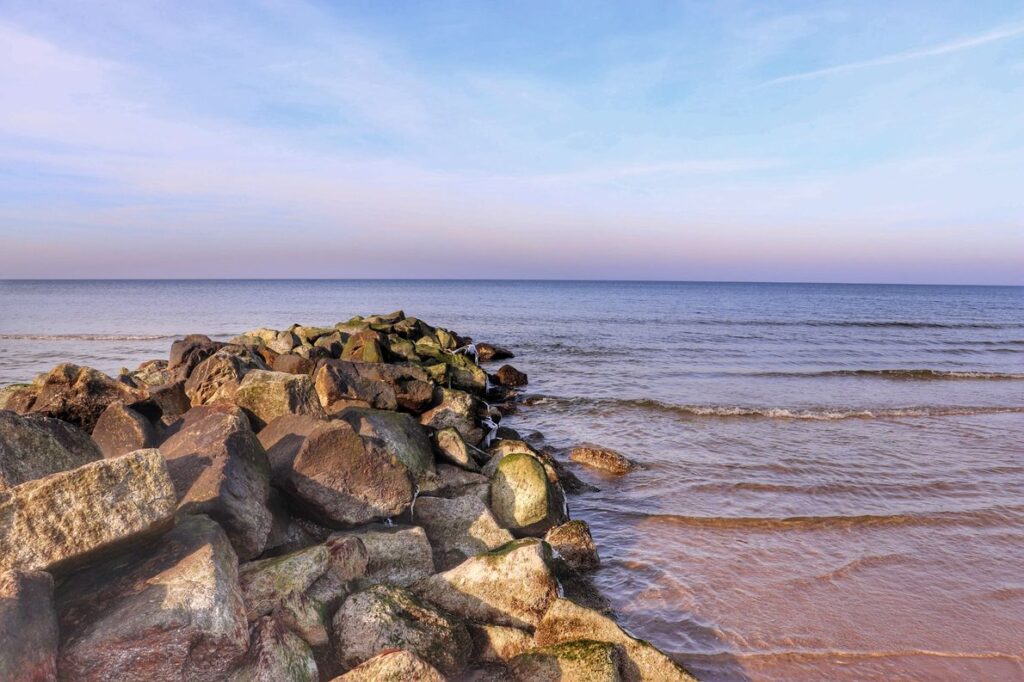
(315, 503)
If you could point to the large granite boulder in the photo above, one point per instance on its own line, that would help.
(268, 582)
(305, 616)
(28, 627)
(384, 617)
(393, 666)
(566, 621)
(31, 448)
(498, 643)
(341, 384)
(220, 469)
(65, 519)
(393, 434)
(170, 612)
(293, 363)
(452, 481)
(457, 409)
(576, 661)
(188, 352)
(522, 498)
(342, 479)
(80, 394)
(364, 346)
(512, 585)
(276, 654)
(219, 376)
(121, 430)
(458, 528)
(269, 395)
(396, 555)
(282, 438)
(347, 561)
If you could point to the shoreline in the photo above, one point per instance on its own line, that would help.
(363, 495)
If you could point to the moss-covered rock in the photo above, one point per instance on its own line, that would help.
(385, 617)
(275, 654)
(459, 528)
(576, 661)
(364, 346)
(456, 409)
(573, 542)
(393, 666)
(269, 395)
(521, 496)
(268, 582)
(396, 555)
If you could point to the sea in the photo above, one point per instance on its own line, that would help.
(831, 480)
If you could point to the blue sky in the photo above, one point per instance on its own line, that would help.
(818, 141)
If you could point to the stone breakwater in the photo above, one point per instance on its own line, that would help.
(315, 503)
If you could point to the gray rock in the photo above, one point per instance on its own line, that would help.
(457, 409)
(268, 582)
(458, 528)
(31, 448)
(276, 654)
(269, 395)
(396, 555)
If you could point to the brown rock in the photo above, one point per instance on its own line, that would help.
(188, 352)
(510, 377)
(71, 517)
(33, 447)
(282, 439)
(396, 666)
(121, 430)
(170, 612)
(574, 544)
(364, 346)
(293, 364)
(276, 655)
(603, 459)
(80, 394)
(347, 561)
(487, 352)
(395, 435)
(269, 395)
(218, 376)
(220, 469)
(268, 582)
(28, 627)
(450, 447)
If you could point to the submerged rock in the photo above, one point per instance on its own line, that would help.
(567, 622)
(576, 661)
(459, 528)
(573, 543)
(219, 468)
(269, 395)
(512, 585)
(603, 459)
(393, 666)
(28, 627)
(276, 654)
(32, 448)
(510, 377)
(65, 519)
(384, 617)
(487, 352)
(171, 612)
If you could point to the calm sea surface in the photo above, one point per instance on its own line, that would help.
(833, 481)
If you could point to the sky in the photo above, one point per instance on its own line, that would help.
(828, 141)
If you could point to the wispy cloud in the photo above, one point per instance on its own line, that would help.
(957, 45)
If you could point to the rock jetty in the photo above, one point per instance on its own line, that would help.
(313, 503)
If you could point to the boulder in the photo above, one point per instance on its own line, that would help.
(510, 377)
(602, 459)
(332, 344)
(219, 376)
(452, 481)
(498, 643)
(384, 617)
(80, 394)
(276, 654)
(304, 616)
(18, 397)
(458, 528)
(347, 561)
(67, 518)
(457, 409)
(464, 373)
(393, 434)
(269, 395)
(577, 661)
(268, 582)
(340, 384)
(450, 447)
(573, 543)
(31, 448)
(396, 555)
(282, 438)
(171, 612)
(220, 469)
(487, 352)
(152, 373)
(293, 364)
(364, 346)
(512, 585)
(342, 479)
(28, 627)
(188, 352)
(121, 430)
(393, 666)
(567, 622)
(171, 398)
(283, 342)
(402, 349)
(522, 498)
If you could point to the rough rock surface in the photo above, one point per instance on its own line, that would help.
(384, 617)
(344, 480)
(276, 654)
(603, 459)
(498, 643)
(80, 394)
(268, 582)
(396, 555)
(269, 395)
(121, 430)
(28, 627)
(393, 666)
(188, 352)
(566, 622)
(451, 447)
(282, 439)
(340, 384)
(512, 585)
(31, 448)
(458, 528)
(510, 377)
(220, 469)
(521, 496)
(393, 434)
(304, 616)
(73, 516)
(347, 561)
(573, 542)
(457, 409)
(172, 612)
(218, 376)
(577, 661)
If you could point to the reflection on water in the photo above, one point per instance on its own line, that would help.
(833, 479)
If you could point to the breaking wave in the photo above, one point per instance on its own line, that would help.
(87, 337)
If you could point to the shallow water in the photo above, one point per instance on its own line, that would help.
(833, 475)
